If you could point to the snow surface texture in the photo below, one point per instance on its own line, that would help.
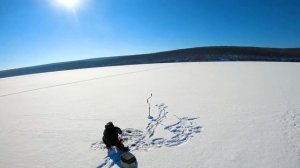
(249, 111)
(183, 130)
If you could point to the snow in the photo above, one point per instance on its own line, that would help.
(244, 114)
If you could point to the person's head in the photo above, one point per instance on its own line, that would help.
(109, 125)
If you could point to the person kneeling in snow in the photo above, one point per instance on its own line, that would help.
(111, 137)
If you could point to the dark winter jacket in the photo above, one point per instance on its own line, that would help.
(111, 132)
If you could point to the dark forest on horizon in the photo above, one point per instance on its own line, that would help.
(199, 54)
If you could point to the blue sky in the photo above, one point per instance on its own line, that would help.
(34, 32)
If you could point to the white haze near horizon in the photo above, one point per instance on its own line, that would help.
(249, 112)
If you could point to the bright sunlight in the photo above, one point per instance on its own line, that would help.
(69, 4)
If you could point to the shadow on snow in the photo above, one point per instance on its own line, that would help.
(181, 131)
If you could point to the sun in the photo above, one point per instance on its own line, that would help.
(69, 4)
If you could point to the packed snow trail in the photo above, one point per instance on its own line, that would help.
(183, 130)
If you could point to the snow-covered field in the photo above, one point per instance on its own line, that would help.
(220, 114)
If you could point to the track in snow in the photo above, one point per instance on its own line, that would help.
(182, 131)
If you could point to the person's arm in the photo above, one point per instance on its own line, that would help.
(118, 130)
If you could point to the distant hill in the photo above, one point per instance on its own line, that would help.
(200, 54)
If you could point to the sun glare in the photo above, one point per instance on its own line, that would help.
(69, 4)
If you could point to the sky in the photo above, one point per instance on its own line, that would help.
(35, 32)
